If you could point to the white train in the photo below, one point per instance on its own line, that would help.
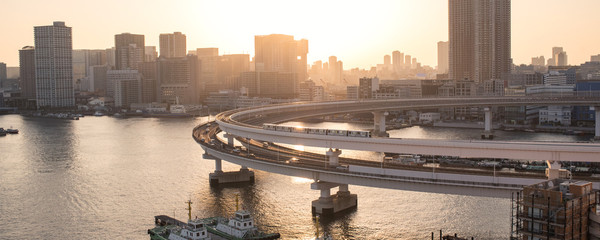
(318, 131)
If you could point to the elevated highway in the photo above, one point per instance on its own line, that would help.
(247, 124)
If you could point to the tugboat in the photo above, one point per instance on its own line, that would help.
(173, 229)
(2, 132)
(240, 227)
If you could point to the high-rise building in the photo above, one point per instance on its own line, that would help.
(281, 53)
(97, 78)
(2, 71)
(110, 57)
(334, 70)
(442, 57)
(150, 54)
(149, 73)
(397, 60)
(387, 60)
(54, 66)
(595, 58)
(129, 50)
(561, 59)
(538, 61)
(126, 86)
(178, 78)
(172, 45)
(27, 71)
(407, 61)
(479, 39)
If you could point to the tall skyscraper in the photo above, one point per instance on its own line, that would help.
(126, 87)
(54, 66)
(442, 57)
(479, 39)
(281, 53)
(172, 45)
(129, 50)
(27, 70)
(407, 61)
(387, 60)
(398, 60)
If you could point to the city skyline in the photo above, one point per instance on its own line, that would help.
(330, 32)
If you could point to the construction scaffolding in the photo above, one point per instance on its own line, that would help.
(553, 209)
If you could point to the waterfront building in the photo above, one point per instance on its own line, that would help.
(27, 72)
(54, 66)
(555, 115)
(595, 58)
(127, 87)
(479, 39)
(172, 45)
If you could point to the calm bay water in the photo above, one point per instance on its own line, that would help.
(102, 177)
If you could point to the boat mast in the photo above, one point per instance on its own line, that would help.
(189, 202)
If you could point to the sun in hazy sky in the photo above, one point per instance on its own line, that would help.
(357, 32)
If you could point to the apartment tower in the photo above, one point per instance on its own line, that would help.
(479, 39)
(54, 66)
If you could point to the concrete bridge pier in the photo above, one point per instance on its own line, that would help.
(329, 205)
(379, 121)
(334, 157)
(487, 132)
(230, 139)
(597, 119)
(244, 175)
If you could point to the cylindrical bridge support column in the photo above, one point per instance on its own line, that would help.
(230, 139)
(218, 165)
(334, 157)
(379, 124)
(487, 132)
(597, 125)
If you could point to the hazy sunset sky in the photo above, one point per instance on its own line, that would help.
(358, 32)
